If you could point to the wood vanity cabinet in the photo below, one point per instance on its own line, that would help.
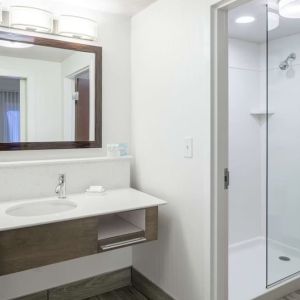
(32, 247)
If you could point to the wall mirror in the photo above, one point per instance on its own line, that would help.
(50, 94)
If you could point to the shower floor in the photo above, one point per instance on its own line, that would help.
(247, 268)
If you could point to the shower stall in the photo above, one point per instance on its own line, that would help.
(264, 149)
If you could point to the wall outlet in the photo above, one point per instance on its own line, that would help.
(188, 147)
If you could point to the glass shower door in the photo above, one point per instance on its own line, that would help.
(283, 147)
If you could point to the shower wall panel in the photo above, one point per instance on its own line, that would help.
(246, 220)
(284, 143)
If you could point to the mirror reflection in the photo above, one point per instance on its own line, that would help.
(46, 94)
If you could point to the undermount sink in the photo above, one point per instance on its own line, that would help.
(34, 209)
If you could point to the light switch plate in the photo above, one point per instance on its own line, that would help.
(188, 147)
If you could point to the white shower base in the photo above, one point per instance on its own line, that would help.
(247, 267)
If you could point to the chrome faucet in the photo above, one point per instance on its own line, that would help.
(61, 187)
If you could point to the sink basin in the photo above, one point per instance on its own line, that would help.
(40, 208)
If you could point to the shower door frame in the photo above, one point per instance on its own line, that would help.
(219, 148)
(219, 158)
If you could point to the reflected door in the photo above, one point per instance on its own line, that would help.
(82, 107)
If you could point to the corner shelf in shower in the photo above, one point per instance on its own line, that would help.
(261, 113)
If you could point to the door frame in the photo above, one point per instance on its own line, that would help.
(219, 147)
(23, 109)
(72, 84)
(219, 159)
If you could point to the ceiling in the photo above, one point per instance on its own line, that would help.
(37, 52)
(120, 7)
(128, 7)
(256, 31)
(124, 7)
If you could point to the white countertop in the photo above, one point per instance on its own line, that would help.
(62, 161)
(87, 205)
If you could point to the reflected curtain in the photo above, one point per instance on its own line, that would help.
(9, 116)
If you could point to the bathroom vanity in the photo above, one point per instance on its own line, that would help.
(54, 101)
(39, 232)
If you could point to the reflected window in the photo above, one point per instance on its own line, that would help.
(10, 129)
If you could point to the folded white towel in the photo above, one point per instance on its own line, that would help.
(96, 189)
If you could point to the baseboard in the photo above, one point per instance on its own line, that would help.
(147, 287)
(86, 288)
(247, 243)
(38, 296)
(105, 283)
(90, 287)
(281, 291)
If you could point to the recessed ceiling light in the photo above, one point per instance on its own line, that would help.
(273, 20)
(289, 8)
(245, 20)
(10, 44)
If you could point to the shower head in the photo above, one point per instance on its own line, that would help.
(284, 65)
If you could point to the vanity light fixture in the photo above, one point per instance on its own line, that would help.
(1, 13)
(77, 27)
(289, 8)
(30, 18)
(245, 20)
(11, 44)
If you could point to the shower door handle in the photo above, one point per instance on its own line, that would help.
(226, 178)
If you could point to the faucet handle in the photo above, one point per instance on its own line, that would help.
(61, 187)
(62, 178)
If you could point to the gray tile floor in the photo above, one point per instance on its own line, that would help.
(127, 293)
(293, 296)
(130, 293)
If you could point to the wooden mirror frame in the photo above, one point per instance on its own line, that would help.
(41, 41)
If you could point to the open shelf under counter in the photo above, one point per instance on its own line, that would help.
(127, 228)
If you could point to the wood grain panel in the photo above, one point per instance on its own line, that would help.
(151, 233)
(127, 293)
(31, 247)
(37, 296)
(92, 286)
(147, 287)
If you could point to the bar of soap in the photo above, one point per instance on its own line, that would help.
(96, 189)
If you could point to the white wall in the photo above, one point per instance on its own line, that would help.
(171, 100)
(38, 181)
(245, 144)
(284, 143)
(44, 94)
(27, 282)
(284, 146)
(26, 182)
(114, 37)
